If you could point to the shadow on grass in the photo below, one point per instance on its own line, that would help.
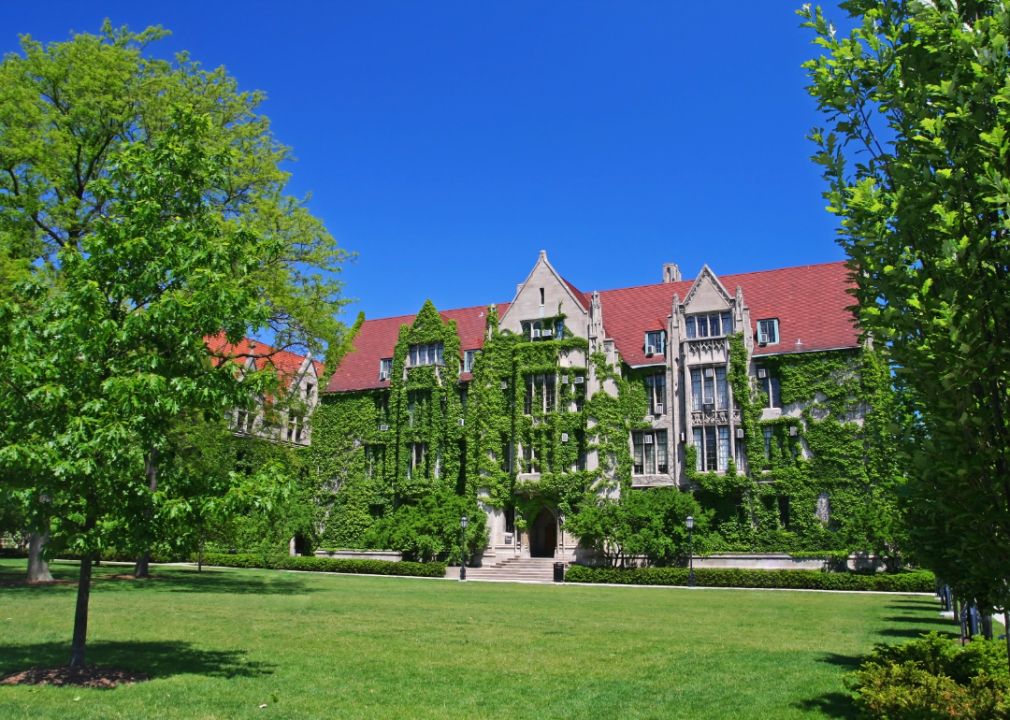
(157, 659)
(833, 704)
(925, 606)
(911, 633)
(849, 662)
(920, 620)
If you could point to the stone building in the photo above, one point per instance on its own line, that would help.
(672, 339)
(284, 418)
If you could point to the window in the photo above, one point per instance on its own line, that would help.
(712, 325)
(373, 458)
(650, 452)
(426, 354)
(656, 341)
(540, 393)
(657, 393)
(784, 511)
(417, 453)
(768, 443)
(510, 520)
(462, 400)
(294, 429)
(559, 328)
(531, 459)
(768, 332)
(709, 388)
(714, 449)
(771, 387)
(468, 359)
(385, 368)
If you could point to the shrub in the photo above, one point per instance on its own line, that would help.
(932, 678)
(334, 565)
(728, 577)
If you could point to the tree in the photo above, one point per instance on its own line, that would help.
(96, 367)
(919, 91)
(648, 523)
(65, 108)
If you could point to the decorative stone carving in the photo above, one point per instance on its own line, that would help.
(714, 417)
(707, 350)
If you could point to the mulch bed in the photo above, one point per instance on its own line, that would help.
(92, 676)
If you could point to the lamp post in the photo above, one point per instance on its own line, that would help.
(690, 536)
(561, 528)
(462, 565)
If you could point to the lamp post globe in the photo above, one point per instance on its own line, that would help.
(690, 552)
(462, 565)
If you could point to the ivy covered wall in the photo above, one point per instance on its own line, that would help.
(526, 410)
(822, 475)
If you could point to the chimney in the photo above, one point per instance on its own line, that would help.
(671, 273)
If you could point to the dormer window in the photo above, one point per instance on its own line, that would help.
(469, 357)
(385, 368)
(768, 332)
(426, 354)
(655, 343)
(711, 325)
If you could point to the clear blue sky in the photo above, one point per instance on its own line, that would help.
(448, 142)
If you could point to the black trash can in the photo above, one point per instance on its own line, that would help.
(559, 572)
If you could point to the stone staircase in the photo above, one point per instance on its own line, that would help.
(515, 569)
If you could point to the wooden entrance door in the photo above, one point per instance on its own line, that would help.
(550, 539)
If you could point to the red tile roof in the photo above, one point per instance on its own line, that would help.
(287, 363)
(359, 369)
(809, 301)
(581, 297)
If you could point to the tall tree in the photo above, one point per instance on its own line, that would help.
(95, 369)
(64, 110)
(919, 91)
(66, 107)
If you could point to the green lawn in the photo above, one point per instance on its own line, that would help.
(338, 646)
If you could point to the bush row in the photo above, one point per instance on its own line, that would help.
(728, 577)
(337, 565)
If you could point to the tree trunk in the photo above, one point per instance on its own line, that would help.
(78, 646)
(143, 566)
(38, 569)
(199, 560)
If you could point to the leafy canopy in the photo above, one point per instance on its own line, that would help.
(96, 369)
(918, 93)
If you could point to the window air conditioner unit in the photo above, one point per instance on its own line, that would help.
(683, 437)
(650, 350)
(739, 433)
(762, 373)
(793, 431)
(564, 437)
(383, 376)
(460, 422)
(504, 385)
(536, 333)
(762, 338)
(709, 372)
(564, 379)
(659, 408)
(383, 428)
(647, 439)
(579, 379)
(708, 401)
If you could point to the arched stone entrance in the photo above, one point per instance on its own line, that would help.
(543, 533)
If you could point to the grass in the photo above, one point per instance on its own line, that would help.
(220, 644)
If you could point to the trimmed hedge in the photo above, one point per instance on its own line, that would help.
(728, 577)
(334, 565)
